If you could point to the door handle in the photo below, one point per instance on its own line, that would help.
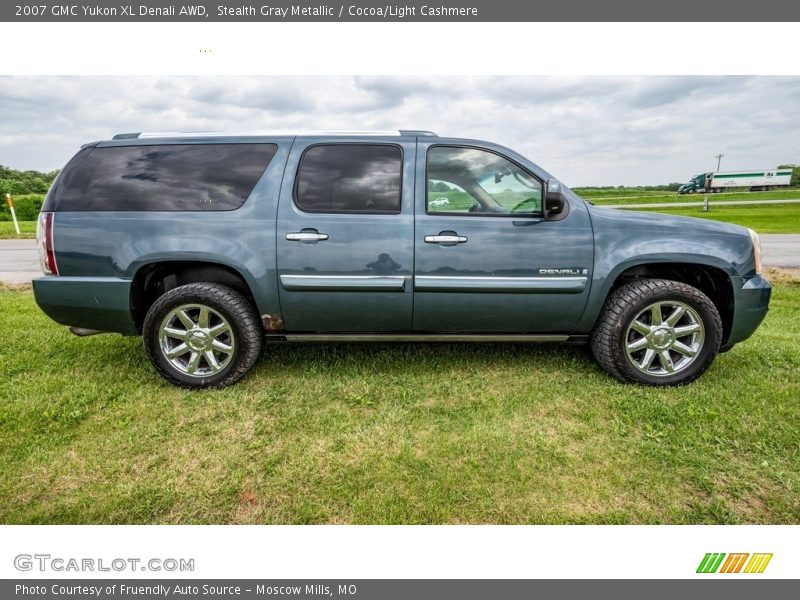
(307, 236)
(446, 238)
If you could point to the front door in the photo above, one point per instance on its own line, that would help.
(486, 260)
(345, 236)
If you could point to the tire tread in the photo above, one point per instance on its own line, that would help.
(240, 310)
(633, 294)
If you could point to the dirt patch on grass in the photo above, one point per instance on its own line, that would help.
(16, 287)
(783, 276)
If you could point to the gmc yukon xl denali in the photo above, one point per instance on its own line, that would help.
(209, 245)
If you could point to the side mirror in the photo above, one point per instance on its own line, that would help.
(556, 205)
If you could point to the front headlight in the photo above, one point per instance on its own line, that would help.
(756, 250)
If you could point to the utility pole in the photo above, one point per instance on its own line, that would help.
(719, 160)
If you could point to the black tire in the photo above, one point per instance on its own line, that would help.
(609, 338)
(239, 313)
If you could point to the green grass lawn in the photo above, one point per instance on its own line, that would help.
(27, 230)
(394, 434)
(598, 193)
(629, 196)
(778, 218)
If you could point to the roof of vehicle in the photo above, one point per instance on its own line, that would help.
(274, 133)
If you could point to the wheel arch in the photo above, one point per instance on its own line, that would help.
(151, 280)
(712, 280)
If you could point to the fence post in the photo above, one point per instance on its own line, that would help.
(705, 203)
(10, 201)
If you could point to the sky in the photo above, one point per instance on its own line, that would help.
(584, 130)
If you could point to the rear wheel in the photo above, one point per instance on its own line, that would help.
(657, 332)
(202, 335)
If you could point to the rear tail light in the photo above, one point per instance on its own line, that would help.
(44, 242)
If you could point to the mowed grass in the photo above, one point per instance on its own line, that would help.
(27, 230)
(633, 196)
(394, 434)
(776, 218)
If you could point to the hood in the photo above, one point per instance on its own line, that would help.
(614, 218)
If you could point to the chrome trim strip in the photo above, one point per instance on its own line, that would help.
(519, 285)
(344, 283)
(413, 337)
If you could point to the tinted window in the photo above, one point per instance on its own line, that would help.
(63, 178)
(479, 182)
(169, 177)
(351, 178)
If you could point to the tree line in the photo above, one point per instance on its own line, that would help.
(16, 182)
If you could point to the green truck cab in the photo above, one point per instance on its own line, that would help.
(210, 245)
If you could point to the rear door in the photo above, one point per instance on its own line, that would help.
(345, 242)
(486, 260)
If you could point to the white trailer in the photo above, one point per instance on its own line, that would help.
(756, 180)
(761, 180)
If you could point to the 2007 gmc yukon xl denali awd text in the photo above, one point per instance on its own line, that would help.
(210, 244)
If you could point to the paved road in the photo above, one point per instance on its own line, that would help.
(19, 261)
(781, 249)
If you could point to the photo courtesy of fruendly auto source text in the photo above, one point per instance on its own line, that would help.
(459, 300)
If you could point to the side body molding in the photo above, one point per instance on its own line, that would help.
(501, 285)
(344, 283)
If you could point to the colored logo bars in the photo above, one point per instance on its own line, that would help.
(733, 563)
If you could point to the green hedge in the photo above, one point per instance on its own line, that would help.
(27, 207)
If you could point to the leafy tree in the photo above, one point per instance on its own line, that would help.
(795, 173)
(17, 182)
(28, 189)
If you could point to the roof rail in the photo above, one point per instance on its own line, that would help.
(271, 133)
(419, 132)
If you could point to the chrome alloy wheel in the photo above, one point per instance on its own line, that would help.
(664, 338)
(196, 340)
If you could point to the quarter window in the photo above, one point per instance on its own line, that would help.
(477, 182)
(166, 177)
(350, 178)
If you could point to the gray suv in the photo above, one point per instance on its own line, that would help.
(207, 245)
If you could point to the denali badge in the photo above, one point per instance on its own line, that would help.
(570, 271)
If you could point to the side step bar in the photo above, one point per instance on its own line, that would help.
(434, 337)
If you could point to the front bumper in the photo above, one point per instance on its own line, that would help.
(750, 306)
(101, 303)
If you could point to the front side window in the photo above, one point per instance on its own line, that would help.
(350, 178)
(166, 177)
(478, 182)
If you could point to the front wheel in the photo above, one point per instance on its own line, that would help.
(657, 332)
(202, 335)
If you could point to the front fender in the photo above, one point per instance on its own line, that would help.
(626, 241)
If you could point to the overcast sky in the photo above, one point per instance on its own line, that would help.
(585, 130)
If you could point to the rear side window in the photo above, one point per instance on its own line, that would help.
(63, 178)
(350, 178)
(166, 178)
